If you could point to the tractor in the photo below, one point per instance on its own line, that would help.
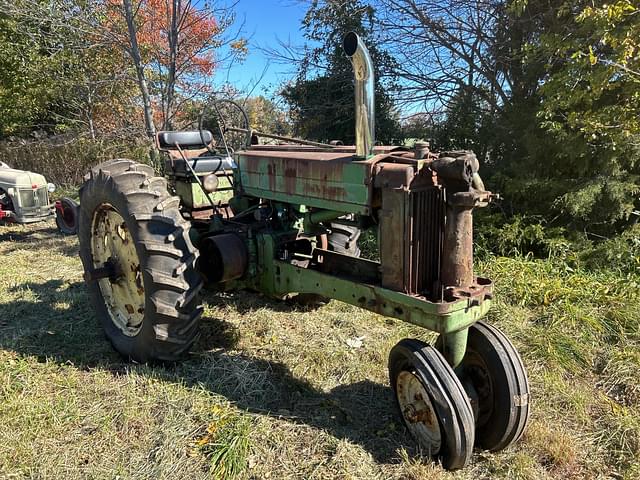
(283, 219)
(24, 198)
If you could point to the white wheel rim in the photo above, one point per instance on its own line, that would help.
(418, 412)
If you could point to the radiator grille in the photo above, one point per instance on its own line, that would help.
(30, 198)
(42, 196)
(27, 198)
(426, 216)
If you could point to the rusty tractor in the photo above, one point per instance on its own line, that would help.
(284, 220)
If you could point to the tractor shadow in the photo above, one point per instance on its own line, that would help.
(57, 323)
(42, 235)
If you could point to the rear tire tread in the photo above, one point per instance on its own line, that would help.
(166, 254)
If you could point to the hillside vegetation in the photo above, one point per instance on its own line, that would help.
(273, 391)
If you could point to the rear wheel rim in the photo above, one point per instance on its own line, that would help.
(123, 293)
(418, 412)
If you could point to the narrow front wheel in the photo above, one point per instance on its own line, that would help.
(432, 402)
(494, 372)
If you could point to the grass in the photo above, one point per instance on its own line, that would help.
(272, 391)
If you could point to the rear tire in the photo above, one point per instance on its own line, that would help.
(128, 220)
(67, 219)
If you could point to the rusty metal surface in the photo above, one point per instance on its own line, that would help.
(457, 266)
(347, 266)
(377, 150)
(303, 154)
(320, 179)
(424, 260)
(392, 238)
(440, 316)
(226, 257)
(478, 291)
(393, 175)
(421, 150)
(411, 225)
(202, 214)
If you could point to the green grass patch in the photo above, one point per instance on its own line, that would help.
(226, 443)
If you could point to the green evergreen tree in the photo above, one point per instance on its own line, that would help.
(321, 99)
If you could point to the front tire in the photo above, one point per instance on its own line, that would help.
(131, 228)
(498, 377)
(432, 402)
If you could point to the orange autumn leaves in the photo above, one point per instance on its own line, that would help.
(197, 32)
(175, 45)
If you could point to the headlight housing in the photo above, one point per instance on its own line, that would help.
(210, 183)
(51, 187)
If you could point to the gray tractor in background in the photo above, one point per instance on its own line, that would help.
(25, 198)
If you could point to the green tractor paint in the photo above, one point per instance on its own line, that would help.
(284, 220)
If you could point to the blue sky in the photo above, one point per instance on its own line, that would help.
(264, 23)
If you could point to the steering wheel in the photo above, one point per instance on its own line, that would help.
(229, 124)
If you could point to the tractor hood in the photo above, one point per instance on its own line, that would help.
(10, 177)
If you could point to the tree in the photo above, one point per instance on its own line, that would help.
(591, 104)
(34, 72)
(175, 46)
(547, 89)
(100, 48)
(467, 51)
(321, 98)
(265, 116)
(465, 125)
(132, 47)
(442, 47)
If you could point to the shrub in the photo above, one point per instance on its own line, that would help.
(65, 162)
(519, 235)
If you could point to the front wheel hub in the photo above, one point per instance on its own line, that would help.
(418, 412)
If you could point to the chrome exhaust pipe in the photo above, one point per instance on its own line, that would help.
(365, 93)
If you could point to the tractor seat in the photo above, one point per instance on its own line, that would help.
(186, 140)
(203, 163)
(200, 165)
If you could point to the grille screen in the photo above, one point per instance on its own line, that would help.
(43, 198)
(427, 236)
(34, 198)
(27, 198)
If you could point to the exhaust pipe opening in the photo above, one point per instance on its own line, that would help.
(355, 49)
(350, 43)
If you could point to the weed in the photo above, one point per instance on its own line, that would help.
(226, 443)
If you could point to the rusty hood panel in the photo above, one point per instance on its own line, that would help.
(309, 176)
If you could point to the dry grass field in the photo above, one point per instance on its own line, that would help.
(273, 391)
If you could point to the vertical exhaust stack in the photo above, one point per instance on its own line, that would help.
(365, 97)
